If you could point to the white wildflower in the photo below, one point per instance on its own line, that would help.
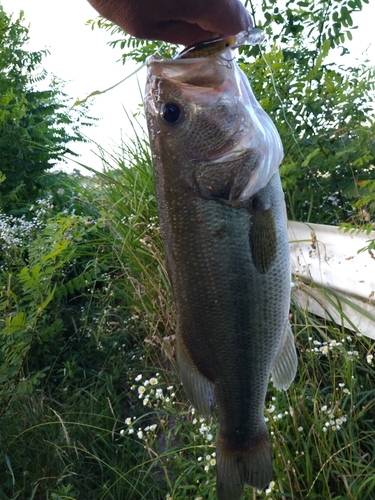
(141, 390)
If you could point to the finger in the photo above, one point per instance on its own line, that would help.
(198, 26)
(180, 21)
(225, 18)
(180, 32)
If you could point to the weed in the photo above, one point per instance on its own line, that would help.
(91, 403)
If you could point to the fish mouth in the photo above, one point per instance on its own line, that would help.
(204, 72)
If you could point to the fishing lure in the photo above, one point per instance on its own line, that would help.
(208, 48)
(216, 46)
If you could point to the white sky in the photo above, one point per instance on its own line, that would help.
(82, 58)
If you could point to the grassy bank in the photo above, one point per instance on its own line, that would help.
(90, 403)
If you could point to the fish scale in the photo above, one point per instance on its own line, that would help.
(222, 222)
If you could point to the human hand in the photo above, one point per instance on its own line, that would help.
(176, 21)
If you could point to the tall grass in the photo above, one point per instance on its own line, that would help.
(105, 416)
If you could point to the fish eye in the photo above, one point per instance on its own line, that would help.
(171, 112)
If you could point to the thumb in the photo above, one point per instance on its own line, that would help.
(225, 18)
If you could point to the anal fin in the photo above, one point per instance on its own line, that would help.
(198, 388)
(284, 368)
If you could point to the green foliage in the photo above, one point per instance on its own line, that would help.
(35, 126)
(89, 391)
(38, 269)
(322, 107)
(131, 211)
(90, 402)
(321, 428)
(135, 48)
(323, 21)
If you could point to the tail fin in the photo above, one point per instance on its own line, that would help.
(252, 466)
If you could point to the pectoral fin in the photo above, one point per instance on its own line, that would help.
(263, 242)
(198, 388)
(285, 365)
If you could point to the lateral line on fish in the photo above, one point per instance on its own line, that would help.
(285, 117)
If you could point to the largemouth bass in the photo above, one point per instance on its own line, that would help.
(216, 155)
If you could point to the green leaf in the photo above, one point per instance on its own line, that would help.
(17, 321)
(9, 465)
(70, 287)
(322, 55)
(58, 249)
(36, 271)
(45, 303)
(309, 157)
